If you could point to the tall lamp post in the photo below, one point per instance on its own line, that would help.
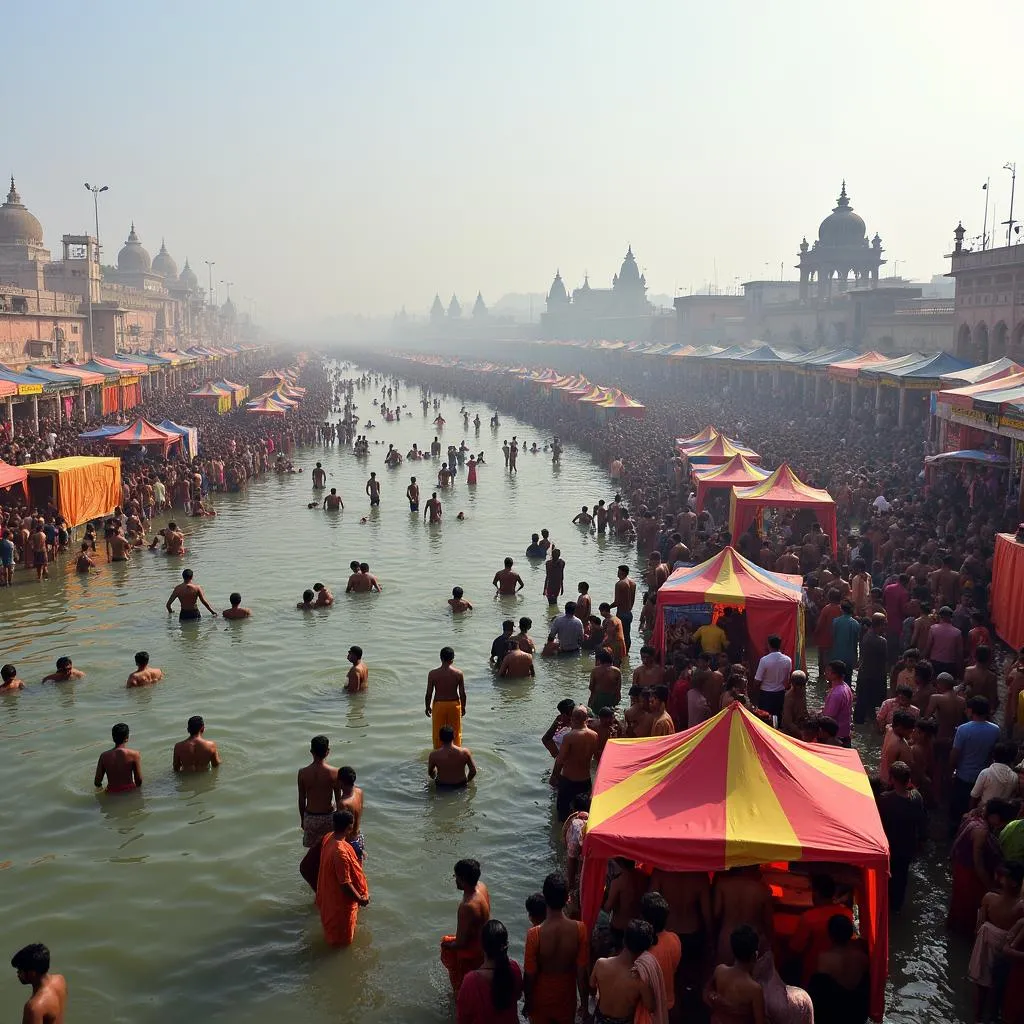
(210, 264)
(1012, 168)
(95, 190)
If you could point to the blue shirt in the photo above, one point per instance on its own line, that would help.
(974, 742)
(6, 552)
(845, 634)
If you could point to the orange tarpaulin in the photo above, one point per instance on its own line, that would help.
(81, 488)
(731, 792)
(1007, 590)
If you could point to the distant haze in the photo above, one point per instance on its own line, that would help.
(340, 158)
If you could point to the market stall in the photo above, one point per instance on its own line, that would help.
(715, 452)
(783, 489)
(13, 476)
(1007, 595)
(733, 792)
(217, 397)
(144, 434)
(189, 436)
(707, 434)
(739, 471)
(772, 603)
(265, 406)
(80, 488)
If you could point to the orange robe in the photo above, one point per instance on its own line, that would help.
(339, 868)
(459, 962)
(553, 998)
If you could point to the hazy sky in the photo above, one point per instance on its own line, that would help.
(340, 157)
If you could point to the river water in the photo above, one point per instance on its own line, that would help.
(184, 900)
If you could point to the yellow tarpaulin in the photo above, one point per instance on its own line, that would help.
(80, 488)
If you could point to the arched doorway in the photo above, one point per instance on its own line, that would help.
(963, 342)
(1017, 348)
(998, 347)
(980, 346)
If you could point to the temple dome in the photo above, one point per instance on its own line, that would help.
(17, 225)
(164, 265)
(133, 258)
(188, 279)
(842, 226)
(629, 273)
(557, 292)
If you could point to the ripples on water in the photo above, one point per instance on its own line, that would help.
(186, 898)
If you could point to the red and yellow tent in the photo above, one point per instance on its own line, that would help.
(773, 602)
(596, 395)
(719, 449)
(707, 434)
(265, 406)
(142, 432)
(621, 402)
(783, 489)
(731, 792)
(739, 471)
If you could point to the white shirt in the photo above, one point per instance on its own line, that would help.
(881, 504)
(997, 780)
(773, 671)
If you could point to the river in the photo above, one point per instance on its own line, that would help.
(184, 901)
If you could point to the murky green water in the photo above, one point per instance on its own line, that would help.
(184, 901)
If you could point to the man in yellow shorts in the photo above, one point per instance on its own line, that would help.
(445, 701)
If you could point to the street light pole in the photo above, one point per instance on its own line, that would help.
(95, 190)
(210, 264)
(1012, 168)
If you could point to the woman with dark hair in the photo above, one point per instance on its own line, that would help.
(489, 995)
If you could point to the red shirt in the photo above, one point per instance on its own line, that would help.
(677, 703)
(823, 629)
(979, 636)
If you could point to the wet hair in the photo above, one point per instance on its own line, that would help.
(508, 624)
(343, 820)
(536, 908)
(187, 574)
(63, 663)
(556, 891)
(468, 870)
(744, 942)
(447, 654)
(508, 563)
(119, 733)
(583, 586)
(356, 650)
(195, 725)
(354, 566)
(235, 599)
(308, 595)
(654, 908)
(525, 623)
(603, 655)
(319, 746)
(494, 939)
(566, 706)
(33, 958)
(570, 608)
(840, 929)
(457, 593)
(903, 719)
(347, 774)
(639, 936)
(141, 658)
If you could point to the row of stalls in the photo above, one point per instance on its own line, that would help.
(106, 386)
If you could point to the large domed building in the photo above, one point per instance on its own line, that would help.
(841, 254)
(164, 265)
(188, 280)
(21, 234)
(133, 258)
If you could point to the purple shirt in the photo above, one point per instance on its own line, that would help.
(946, 642)
(839, 705)
(895, 598)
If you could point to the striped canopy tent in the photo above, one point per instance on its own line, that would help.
(849, 369)
(963, 397)
(572, 383)
(142, 432)
(101, 432)
(291, 390)
(13, 476)
(773, 602)
(707, 434)
(265, 406)
(732, 792)
(739, 471)
(86, 377)
(217, 397)
(547, 377)
(189, 436)
(282, 399)
(596, 395)
(239, 392)
(995, 370)
(783, 489)
(621, 402)
(720, 450)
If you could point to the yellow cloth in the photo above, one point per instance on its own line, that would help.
(712, 639)
(446, 712)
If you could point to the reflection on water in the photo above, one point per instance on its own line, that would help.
(190, 888)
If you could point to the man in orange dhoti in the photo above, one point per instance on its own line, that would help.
(341, 887)
(463, 952)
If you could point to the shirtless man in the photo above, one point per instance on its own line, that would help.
(740, 896)
(583, 602)
(319, 794)
(358, 674)
(195, 754)
(949, 710)
(618, 988)
(119, 547)
(174, 540)
(445, 699)
(457, 602)
(689, 900)
(450, 766)
(605, 681)
(731, 993)
(357, 583)
(370, 583)
(648, 673)
(307, 603)
(462, 952)
(65, 672)
(412, 492)
(373, 489)
(84, 562)
(188, 595)
(39, 546)
(351, 800)
(121, 766)
(324, 598)
(9, 681)
(332, 502)
(571, 774)
(432, 509)
(662, 724)
(236, 611)
(319, 477)
(517, 663)
(143, 674)
(507, 581)
(625, 598)
(583, 518)
(49, 997)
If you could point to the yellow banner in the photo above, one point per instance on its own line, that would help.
(30, 389)
(128, 380)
